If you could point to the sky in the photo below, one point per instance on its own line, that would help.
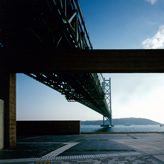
(129, 24)
(111, 24)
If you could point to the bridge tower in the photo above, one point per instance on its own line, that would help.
(107, 89)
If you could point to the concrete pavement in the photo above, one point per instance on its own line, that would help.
(87, 148)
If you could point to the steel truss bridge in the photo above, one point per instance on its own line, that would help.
(89, 89)
(55, 24)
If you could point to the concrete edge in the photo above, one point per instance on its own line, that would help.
(117, 132)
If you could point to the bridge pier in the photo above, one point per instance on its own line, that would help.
(8, 105)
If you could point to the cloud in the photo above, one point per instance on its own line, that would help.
(152, 1)
(157, 41)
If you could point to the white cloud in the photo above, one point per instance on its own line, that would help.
(152, 1)
(157, 41)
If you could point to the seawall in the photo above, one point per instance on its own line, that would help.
(48, 127)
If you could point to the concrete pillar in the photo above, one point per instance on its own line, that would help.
(8, 94)
(1, 124)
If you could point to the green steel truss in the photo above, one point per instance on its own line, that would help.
(107, 89)
(84, 88)
(56, 25)
(52, 24)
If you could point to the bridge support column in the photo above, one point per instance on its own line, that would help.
(107, 89)
(105, 119)
(8, 96)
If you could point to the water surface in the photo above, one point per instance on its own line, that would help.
(122, 128)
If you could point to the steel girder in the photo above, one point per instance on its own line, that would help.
(55, 24)
(84, 88)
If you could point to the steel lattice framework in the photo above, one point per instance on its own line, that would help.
(107, 90)
(52, 25)
(71, 15)
(77, 87)
(55, 24)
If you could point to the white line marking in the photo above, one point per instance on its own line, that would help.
(60, 150)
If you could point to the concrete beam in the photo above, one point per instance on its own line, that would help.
(8, 94)
(104, 61)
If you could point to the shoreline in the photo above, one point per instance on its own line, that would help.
(117, 132)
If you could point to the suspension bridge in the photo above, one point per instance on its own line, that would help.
(45, 39)
(89, 89)
(56, 24)
(33, 26)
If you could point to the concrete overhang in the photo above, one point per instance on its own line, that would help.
(98, 61)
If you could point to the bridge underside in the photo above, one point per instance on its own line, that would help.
(84, 88)
(32, 31)
(32, 25)
(55, 24)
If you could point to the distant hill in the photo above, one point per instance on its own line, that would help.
(124, 121)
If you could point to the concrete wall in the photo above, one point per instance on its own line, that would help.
(47, 127)
(1, 124)
(8, 94)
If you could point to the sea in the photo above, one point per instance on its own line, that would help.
(122, 128)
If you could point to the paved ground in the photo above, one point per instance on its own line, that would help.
(87, 148)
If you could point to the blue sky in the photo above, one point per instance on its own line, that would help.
(122, 24)
(112, 24)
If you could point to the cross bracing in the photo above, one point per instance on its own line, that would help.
(84, 88)
(107, 89)
(55, 24)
